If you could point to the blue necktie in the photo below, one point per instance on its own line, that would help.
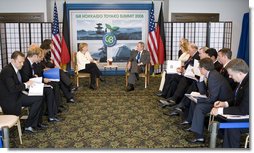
(138, 57)
(19, 77)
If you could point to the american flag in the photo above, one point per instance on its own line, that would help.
(56, 40)
(152, 41)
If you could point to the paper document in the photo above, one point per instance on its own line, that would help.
(193, 96)
(37, 79)
(189, 73)
(36, 89)
(172, 66)
(197, 95)
(235, 117)
(196, 70)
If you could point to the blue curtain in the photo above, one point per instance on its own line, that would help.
(243, 50)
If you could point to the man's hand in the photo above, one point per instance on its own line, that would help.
(46, 80)
(193, 99)
(29, 83)
(218, 104)
(214, 111)
(140, 64)
(128, 65)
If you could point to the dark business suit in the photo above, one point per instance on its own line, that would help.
(135, 69)
(48, 94)
(217, 66)
(185, 102)
(217, 89)
(232, 83)
(12, 98)
(239, 106)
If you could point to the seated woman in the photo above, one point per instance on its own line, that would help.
(86, 64)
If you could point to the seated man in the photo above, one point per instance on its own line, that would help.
(239, 71)
(11, 96)
(216, 88)
(136, 64)
(28, 72)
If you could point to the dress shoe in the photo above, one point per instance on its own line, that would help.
(184, 123)
(71, 100)
(130, 88)
(199, 140)
(188, 129)
(74, 89)
(178, 109)
(159, 94)
(164, 102)
(53, 119)
(93, 87)
(30, 130)
(102, 79)
(42, 125)
(170, 114)
(174, 113)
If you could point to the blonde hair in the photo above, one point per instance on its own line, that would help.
(34, 49)
(184, 45)
(82, 45)
(193, 46)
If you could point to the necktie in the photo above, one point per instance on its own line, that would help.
(138, 57)
(19, 77)
(236, 91)
(32, 66)
(186, 63)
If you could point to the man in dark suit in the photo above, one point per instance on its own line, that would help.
(28, 72)
(217, 88)
(224, 57)
(136, 64)
(239, 71)
(11, 96)
(212, 53)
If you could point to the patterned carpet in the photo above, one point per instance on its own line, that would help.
(110, 117)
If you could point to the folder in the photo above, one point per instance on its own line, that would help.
(172, 66)
(52, 74)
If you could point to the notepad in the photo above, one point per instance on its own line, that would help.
(235, 117)
(172, 66)
(36, 89)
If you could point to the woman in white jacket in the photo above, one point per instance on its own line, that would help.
(87, 64)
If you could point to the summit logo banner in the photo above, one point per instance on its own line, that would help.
(109, 39)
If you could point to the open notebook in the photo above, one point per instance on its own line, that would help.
(172, 66)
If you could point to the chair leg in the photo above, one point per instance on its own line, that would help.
(148, 79)
(126, 80)
(246, 141)
(19, 131)
(145, 82)
(77, 81)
